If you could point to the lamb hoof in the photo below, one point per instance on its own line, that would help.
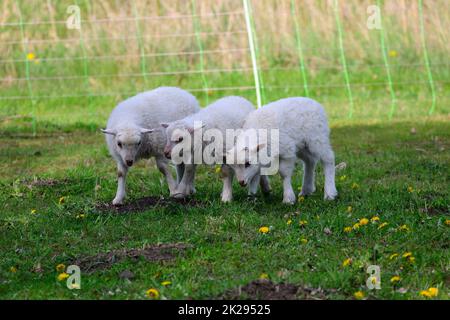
(289, 199)
(117, 202)
(306, 192)
(226, 196)
(178, 195)
(330, 197)
(226, 199)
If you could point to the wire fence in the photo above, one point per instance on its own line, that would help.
(211, 52)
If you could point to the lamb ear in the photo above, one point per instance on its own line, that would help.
(109, 131)
(164, 124)
(143, 130)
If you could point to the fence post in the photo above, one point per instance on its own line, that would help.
(200, 48)
(252, 52)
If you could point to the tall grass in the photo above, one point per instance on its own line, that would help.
(125, 47)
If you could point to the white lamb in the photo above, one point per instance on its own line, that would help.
(225, 113)
(130, 124)
(303, 134)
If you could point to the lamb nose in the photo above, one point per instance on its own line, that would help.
(129, 163)
(242, 183)
(167, 154)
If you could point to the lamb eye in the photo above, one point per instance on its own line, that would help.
(247, 164)
(139, 143)
(119, 144)
(180, 139)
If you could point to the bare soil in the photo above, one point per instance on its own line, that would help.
(143, 204)
(267, 290)
(154, 253)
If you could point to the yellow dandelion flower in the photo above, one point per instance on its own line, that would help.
(407, 255)
(356, 226)
(393, 53)
(429, 293)
(447, 222)
(13, 269)
(433, 291)
(63, 276)
(81, 216)
(342, 178)
(33, 211)
(60, 267)
(410, 189)
(393, 256)
(218, 169)
(289, 222)
(403, 228)
(411, 259)
(347, 229)
(347, 262)
(303, 223)
(384, 224)
(395, 279)
(31, 56)
(363, 221)
(373, 280)
(62, 200)
(358, 295)
(355, 185)
(301, 198)
(166, 283)
(375, 219)
(349, 209)
(264, 229)
(264, 276)
(152, 293)
(425, 293)
(304, 240)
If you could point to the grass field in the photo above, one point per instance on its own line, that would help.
(57, 177)
(227, 248)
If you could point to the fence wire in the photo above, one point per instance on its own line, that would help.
(47, 66)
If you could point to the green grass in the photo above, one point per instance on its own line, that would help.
(49, 129)
(383, 158)
(370, 90)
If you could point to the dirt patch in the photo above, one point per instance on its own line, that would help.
(155, 253)
(267, 290)
(432, 211)
(145, 203)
